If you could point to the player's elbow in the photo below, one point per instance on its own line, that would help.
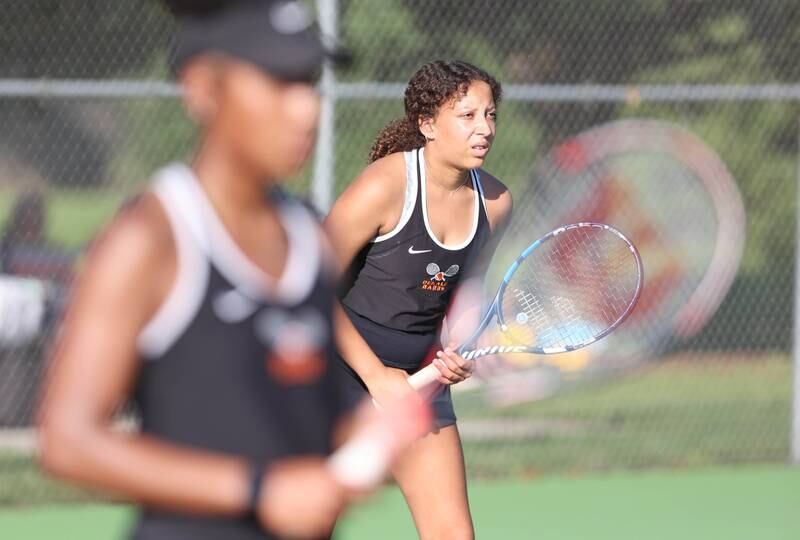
(62, 447)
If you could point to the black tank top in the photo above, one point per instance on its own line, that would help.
(231, 362)
(403, 280)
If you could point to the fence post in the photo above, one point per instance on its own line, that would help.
(796, 335)
(324, 158)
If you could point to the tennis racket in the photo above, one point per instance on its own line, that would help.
(673, 196)
(568, 289)
(677, 203)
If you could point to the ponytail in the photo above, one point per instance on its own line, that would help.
(399, 135)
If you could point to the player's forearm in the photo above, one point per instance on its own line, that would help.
(141, 469)
(353, 348)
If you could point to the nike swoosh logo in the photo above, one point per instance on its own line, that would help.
(413, 251)
(232, 306)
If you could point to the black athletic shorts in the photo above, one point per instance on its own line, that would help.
(396, 349)
(355, 390)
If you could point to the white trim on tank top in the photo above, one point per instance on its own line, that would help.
(198, 231)
(191, 279)
(475, 213)
(480, 192)
(410, 196)
(302, 263)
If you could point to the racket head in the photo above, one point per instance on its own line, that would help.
(679, 205)
(671, 193)
(570, 288)
(674, 199)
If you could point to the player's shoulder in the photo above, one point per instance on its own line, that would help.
(381, 183)
(499, 202)
(139, 234)
(132, 260)
(386, 173)
(492, 186)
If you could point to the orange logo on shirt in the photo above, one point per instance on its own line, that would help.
(438, 278)
(296, 345)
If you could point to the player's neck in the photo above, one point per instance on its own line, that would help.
(442, 175)
(232, 186)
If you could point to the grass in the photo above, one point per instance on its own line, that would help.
(73, 217)
(22, 483)
(680, 413)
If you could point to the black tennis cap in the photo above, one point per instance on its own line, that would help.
(278, 36)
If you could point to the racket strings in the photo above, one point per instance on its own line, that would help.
(570, 290)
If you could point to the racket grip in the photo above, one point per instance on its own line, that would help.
(424, 377)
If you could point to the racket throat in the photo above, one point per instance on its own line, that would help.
(495, 349)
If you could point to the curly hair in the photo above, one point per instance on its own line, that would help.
(433, 85)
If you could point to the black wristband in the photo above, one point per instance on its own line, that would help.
(255, 485)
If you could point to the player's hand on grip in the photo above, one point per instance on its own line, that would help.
(301, 498)
(388, 385)
(452, 366)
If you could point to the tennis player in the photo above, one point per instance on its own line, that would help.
(420, 217)
(209, 300)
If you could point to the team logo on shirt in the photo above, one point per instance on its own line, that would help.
(295, 344)
(233, 306)
(437, 282)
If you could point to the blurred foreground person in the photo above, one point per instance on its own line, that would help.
(209, 301)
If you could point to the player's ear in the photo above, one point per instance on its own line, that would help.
(427, 128)
(200, 82)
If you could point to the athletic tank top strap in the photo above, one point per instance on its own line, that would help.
(202, 240)
(483, 212)
(415, 200)
(191, 278)
(303, 260)
(423, 204)
(410, 201)
(403, 280)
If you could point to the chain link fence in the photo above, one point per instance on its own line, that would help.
(88, 113)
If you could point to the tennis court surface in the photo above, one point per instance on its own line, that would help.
(721, 504)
